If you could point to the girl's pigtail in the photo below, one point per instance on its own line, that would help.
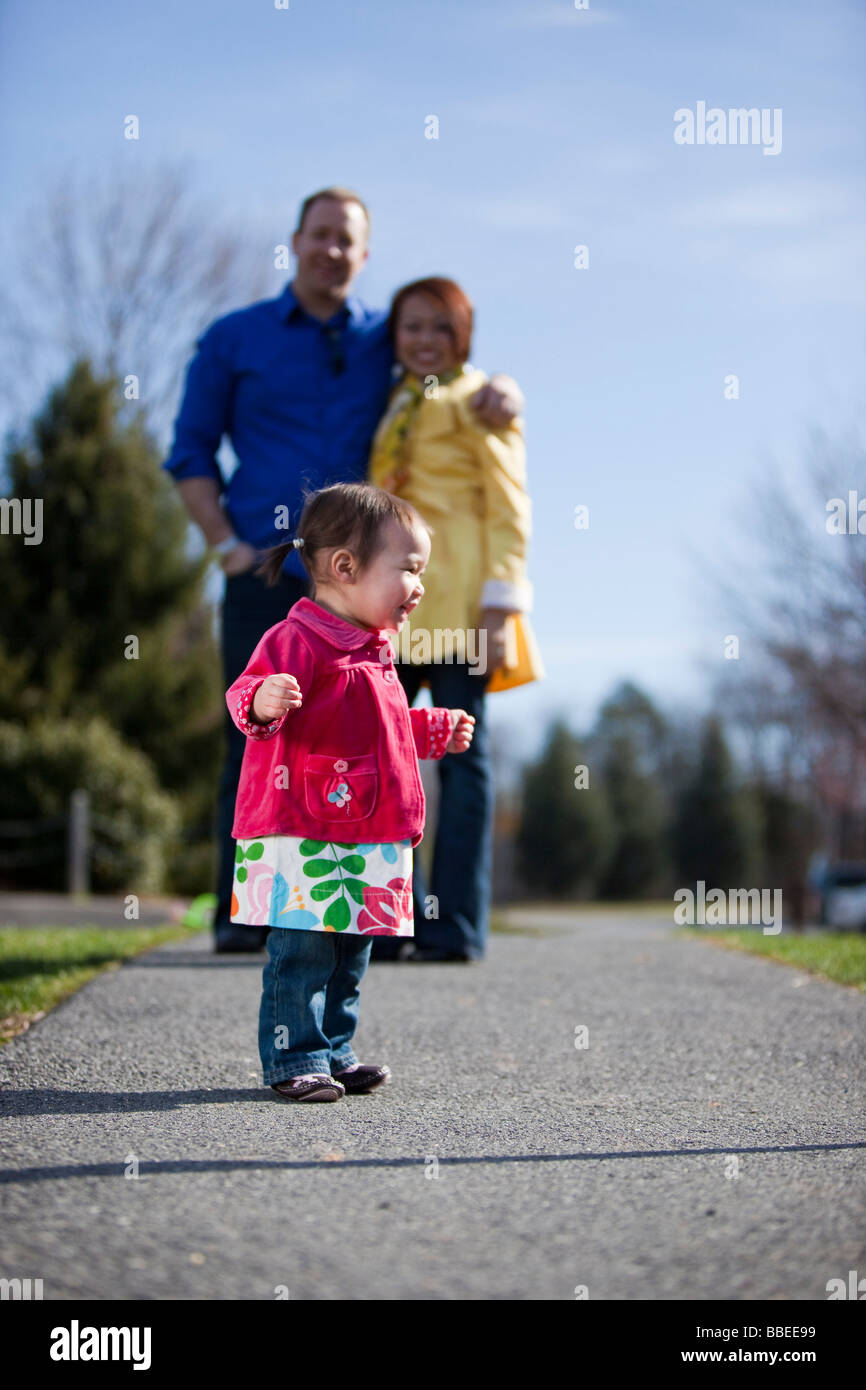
(270, 566)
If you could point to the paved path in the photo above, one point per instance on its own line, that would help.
(606, 1166)
(64, 910)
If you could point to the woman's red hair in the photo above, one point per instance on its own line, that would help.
(457, 307)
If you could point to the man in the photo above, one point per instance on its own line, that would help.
(298, 383)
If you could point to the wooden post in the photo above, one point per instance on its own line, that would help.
(78, 857)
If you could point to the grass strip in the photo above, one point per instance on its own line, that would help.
(839, 956)
(40, 966)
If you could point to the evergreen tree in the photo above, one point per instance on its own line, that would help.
(106, 616)
(630, 714)
(716, 832)
(629, 750)
(638, 866)
(564, 838)
(791, 832)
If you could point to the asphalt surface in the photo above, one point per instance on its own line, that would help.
(708, 1143)
(90, 909)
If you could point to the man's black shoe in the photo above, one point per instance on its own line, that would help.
(435, 956)
(386, 949)
(240, 939)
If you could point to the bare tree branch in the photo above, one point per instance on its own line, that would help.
(800, 704)
(127, 269)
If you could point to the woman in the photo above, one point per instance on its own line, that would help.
(469, 634)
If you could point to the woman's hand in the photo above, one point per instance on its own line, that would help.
(464, 728)
(275, 695)
(499, 402)
(493, 624)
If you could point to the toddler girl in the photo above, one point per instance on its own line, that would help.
(332, 752)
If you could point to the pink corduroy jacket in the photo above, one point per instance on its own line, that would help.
(344, 766)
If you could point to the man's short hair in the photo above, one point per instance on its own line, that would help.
(339, 194)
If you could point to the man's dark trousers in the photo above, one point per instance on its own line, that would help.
(249, 608)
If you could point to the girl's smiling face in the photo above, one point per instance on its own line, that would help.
(423, 338)
(389, 588)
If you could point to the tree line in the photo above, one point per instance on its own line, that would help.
(641, 805)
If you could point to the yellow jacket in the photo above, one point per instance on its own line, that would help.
(468, 482)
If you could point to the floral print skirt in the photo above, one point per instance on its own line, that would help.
(319, 885)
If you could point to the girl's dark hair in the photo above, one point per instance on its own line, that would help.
(345, 514)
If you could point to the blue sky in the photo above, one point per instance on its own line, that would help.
(555, 129)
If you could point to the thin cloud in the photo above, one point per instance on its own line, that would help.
(558, 14)
(521, 110)
(526, 212)
(828, 269)
(801, 239)
(797, 203)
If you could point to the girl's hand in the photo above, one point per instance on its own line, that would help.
(464, 728)
(275, 695)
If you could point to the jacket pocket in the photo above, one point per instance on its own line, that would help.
(340, 789)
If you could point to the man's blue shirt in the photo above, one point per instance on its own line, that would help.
(267, 377)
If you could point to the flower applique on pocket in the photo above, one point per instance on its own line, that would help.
(340, 789)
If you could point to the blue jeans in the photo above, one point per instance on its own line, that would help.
(310, 999)
(463, 849)
(249, 608)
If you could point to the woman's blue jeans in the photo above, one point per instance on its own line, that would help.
(310, 1000)
(452, 912)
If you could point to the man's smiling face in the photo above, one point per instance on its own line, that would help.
(331, 247)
